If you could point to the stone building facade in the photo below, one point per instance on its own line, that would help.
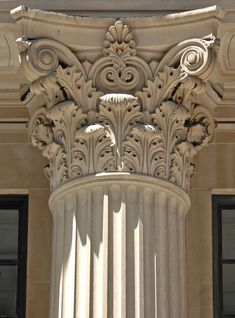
(131, 107)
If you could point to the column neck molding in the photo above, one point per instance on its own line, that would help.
(120, 113)
(120, 178)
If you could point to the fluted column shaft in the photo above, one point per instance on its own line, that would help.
(118, 248)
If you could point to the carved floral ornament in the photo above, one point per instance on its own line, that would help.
(120, 113)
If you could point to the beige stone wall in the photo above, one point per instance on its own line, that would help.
(39, 254)
(199, 255)
(215, 171)
(21, 171)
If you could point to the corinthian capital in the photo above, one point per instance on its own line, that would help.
(120, 113)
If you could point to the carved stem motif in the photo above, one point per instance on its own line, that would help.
(147, 121)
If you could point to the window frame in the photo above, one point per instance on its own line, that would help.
(219, 202)
(19, 202)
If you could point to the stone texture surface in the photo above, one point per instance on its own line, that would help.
(39, 254)
(105, 5)
(38, 295)
(199, 255)
(39, 237)
(21, 167)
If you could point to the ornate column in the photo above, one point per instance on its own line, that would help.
(120, 136)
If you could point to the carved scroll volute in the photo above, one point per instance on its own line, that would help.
(196, 57)
(41, 57)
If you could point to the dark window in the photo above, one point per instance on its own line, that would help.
(13, 251)
(224, 255)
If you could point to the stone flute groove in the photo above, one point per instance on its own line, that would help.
(118, 252)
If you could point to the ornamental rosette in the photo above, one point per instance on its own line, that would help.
(119, 113)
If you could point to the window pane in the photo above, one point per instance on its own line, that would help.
(229, 288)
(8, 283)
(9, 234)
(228, 234)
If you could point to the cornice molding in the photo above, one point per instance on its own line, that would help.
(23, 12)
(120, 113)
